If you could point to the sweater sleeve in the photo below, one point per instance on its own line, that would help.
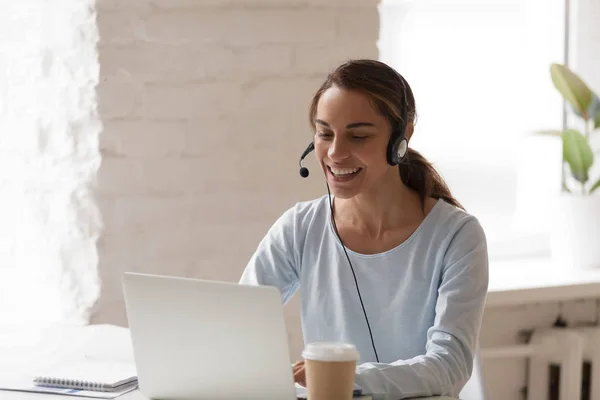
(275, 261)
(447, 363)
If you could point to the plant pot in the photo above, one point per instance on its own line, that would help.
(575, 232)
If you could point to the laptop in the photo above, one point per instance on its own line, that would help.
(198, 339)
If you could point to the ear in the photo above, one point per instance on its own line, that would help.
(410, 128)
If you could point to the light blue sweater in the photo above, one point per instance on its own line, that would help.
(424, 298)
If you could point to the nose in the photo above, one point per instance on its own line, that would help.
(338, 149)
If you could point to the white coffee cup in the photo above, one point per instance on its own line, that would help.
(330, 369)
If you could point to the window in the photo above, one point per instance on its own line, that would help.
(480, 73)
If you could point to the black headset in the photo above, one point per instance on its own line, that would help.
(396, 151)
(397, 146)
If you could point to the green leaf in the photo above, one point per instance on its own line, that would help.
(592, 109)
(597, 120)
(596, 186)
(549, 132)
(572, 88)
(578, 154)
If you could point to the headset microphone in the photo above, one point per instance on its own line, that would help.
(304, 170)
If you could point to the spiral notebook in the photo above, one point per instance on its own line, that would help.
(97, 376)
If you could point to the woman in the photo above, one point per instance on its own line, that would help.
(389, 261)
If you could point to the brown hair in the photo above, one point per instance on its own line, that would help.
(392, 96)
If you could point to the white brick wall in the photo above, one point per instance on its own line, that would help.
(205, 112)
(48, 158)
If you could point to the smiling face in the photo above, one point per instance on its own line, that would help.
(351, 139)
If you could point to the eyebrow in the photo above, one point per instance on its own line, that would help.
(349, 126)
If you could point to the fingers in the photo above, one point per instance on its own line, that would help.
(299, 374)
(297, 366)
(298, 370)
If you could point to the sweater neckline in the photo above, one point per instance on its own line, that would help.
(405, 243)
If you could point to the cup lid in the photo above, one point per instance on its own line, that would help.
(330, 351)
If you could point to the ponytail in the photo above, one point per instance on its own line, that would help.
(418, 174)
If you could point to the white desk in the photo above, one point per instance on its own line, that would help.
(135, 395)
(511, 283)
(23, 353)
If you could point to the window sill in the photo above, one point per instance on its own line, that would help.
(534, 280)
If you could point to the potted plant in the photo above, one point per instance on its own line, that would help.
(575, 235)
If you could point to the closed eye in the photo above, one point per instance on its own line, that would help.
(326, 135)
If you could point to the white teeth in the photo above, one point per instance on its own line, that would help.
(343, 171)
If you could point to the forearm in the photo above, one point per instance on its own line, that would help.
(435, 374)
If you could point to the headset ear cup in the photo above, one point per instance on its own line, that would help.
(401, 150)
(397, 150)
(392, 151)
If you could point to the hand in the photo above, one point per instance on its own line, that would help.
(299, 373)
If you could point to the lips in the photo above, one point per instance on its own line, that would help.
(341, 175)
(343, 171)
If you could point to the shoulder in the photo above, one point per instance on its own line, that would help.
(304, 211)
(302, 220)
(304, 214)
(452, 223)
(464, 249)
(457, 233)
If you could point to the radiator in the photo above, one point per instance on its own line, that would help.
(567, 349)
